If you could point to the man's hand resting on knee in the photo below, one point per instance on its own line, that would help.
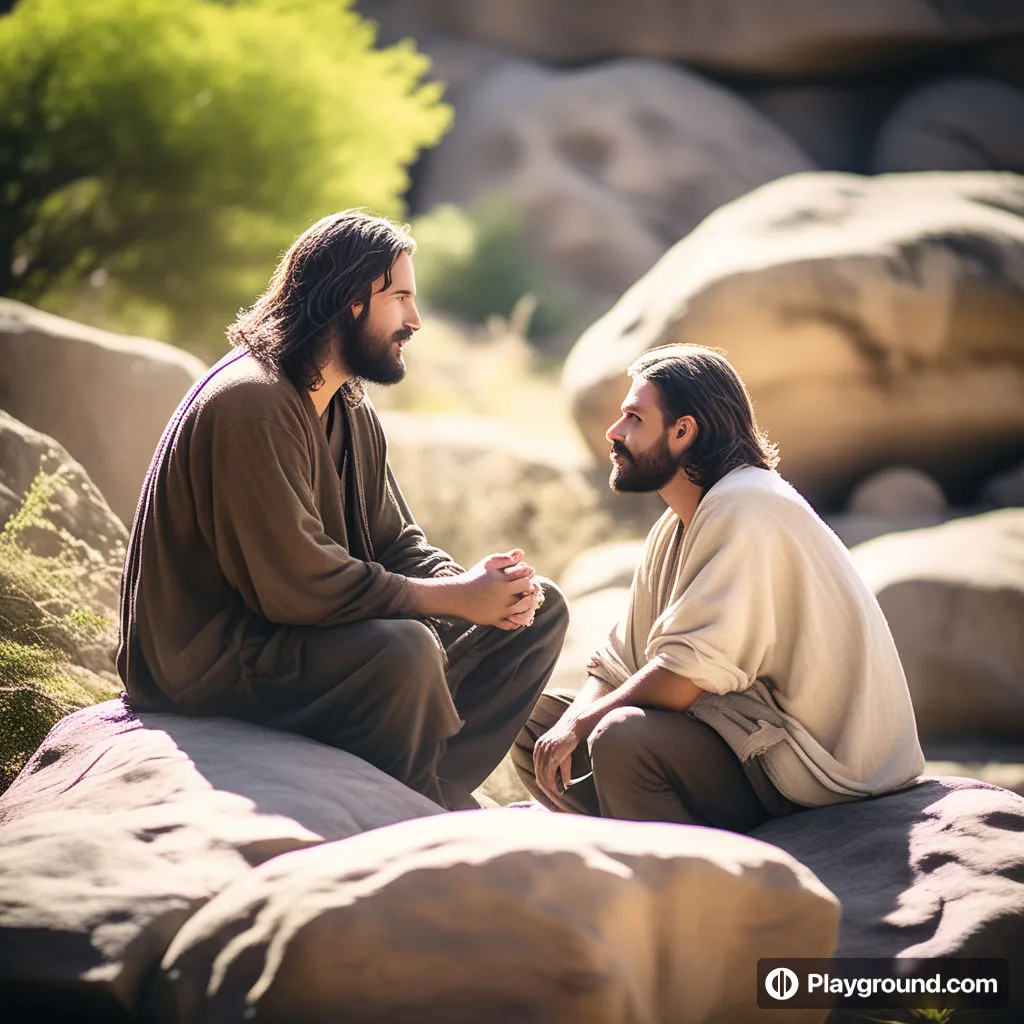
(500, 590)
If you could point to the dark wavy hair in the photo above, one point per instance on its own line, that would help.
(700, 382)
(326, 271)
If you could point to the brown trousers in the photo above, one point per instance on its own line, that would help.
(647, 765)
(435, 705)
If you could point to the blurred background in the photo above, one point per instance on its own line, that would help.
(832, 193)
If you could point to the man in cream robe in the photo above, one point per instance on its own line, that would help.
(754, 672)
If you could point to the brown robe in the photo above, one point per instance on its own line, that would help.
(247, 526)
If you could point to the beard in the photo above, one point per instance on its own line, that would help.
(644, 472)
(372, 357)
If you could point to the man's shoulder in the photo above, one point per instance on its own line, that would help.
(753, 489)
(758, 503)
(239, 390)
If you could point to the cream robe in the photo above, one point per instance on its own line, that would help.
(759, 604)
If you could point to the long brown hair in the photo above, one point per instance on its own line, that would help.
(328, 269)
(700, 382)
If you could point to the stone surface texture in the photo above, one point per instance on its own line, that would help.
(936, 870)
(501, 915)
(953, 596)
(120, 827)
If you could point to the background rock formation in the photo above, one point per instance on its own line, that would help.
(874, 321)
(608, 166)
(953, 596)
(105, 397)
(791, 38)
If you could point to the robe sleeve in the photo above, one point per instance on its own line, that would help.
(261, 520)
(608, 662)
(720, 624)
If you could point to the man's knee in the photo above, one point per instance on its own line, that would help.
(554, 611)
(617, 739)
(408, 648)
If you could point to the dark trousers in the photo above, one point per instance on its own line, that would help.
(435, 705)
(647, 765)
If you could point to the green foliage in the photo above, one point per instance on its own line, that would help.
(43, 621)
(155, 158)
(477, 265)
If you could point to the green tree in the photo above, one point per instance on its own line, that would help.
(159, 156)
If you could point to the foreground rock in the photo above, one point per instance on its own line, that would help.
(121, 827)
(500, 916)
(105, 397)
(607, 166)
(876, 321)
(953, 596)
(933, 871)
(801, 37)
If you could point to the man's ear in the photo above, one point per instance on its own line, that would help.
(356, 309)
(684, 433)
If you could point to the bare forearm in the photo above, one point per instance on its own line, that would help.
(438, 596)
(592, 690)
(651, 687)
(497, 591)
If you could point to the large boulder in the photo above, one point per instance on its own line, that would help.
(61, 553)
(79, 515)
(958, 124)
(500, 916)
(105, 397)
(876, 321)
(476, 487)
(791, 38)
(120, 827)
(936, 870)
(953, 596)
(608, 165)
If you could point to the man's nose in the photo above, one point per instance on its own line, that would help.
(412, 320)
(614, 432)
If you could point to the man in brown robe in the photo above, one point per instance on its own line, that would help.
(274, 572)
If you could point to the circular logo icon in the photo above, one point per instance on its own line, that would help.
(782, 983)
